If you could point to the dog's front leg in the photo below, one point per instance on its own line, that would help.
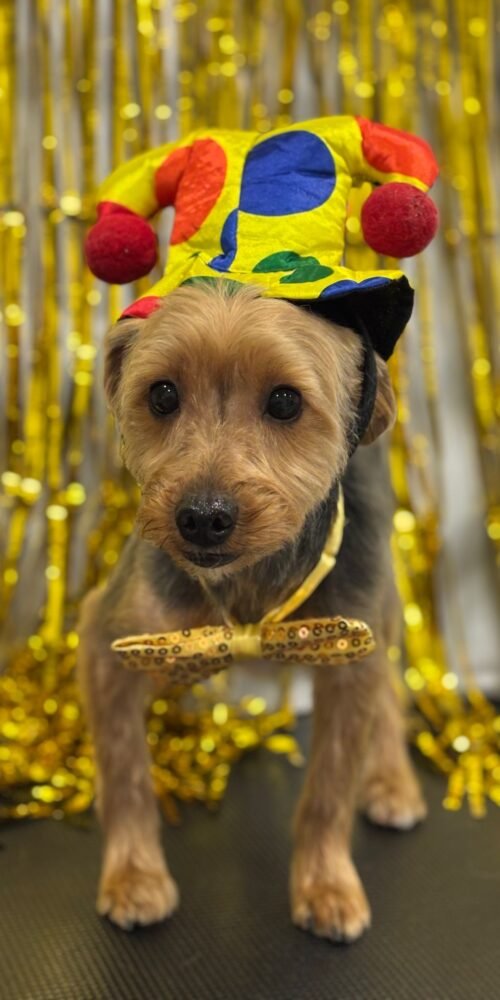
(136, 886)
(326, 893)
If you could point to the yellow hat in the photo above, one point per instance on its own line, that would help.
(270, 210)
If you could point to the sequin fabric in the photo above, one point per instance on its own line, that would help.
(192, 655)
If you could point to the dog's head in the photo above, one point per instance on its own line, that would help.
(235, 412)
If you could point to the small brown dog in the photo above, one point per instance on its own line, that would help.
(236, 414)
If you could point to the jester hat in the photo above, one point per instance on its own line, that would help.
(270, 210)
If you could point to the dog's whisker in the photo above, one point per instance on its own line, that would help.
(145, 527)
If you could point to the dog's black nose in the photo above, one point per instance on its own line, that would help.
(206, 520)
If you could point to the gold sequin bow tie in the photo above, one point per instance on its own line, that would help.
(192, 655)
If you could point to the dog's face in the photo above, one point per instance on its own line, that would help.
(234, 413)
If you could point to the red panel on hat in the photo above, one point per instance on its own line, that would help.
(394, 152)
(142, 307)
(168, 175)
(191, 179)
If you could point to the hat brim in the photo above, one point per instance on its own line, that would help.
(381, 310)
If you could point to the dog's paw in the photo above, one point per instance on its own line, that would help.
(131, 896)
(337, 911)
(394, 800)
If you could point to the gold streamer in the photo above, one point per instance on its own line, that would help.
(115, 76)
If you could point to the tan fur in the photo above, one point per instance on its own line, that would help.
(225, 360)
(225, 354)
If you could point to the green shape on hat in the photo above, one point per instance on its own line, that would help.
(309, 270)
(285, 260)
(301, 268)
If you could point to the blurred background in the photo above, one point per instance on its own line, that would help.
(86, 84)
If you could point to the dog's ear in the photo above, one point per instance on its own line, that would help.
(384, 410)
(117, 343)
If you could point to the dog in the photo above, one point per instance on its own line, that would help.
(235, 413)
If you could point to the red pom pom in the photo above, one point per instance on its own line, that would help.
(121, 248)
(399, 220)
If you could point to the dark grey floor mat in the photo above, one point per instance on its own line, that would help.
(434, 891)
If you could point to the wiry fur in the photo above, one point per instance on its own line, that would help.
(225, 354)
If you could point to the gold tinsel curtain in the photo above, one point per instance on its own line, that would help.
(85, 84)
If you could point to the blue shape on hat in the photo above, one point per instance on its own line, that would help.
(224, 260)
(346, 286)
(287, 173)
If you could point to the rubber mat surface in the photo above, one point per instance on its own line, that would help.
(434, 892)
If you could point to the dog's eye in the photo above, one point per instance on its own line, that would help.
(284, 403)
(163, 398)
